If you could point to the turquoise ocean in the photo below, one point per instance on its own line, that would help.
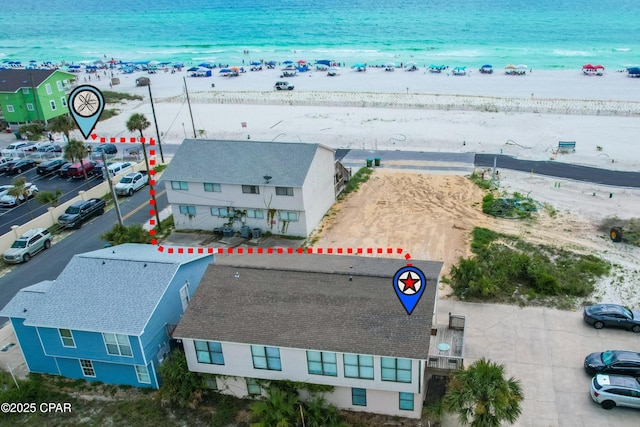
(544, 34)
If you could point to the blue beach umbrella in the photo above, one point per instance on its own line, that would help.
(256, 63)
(487, 66)
(224, 70)
(287, 62)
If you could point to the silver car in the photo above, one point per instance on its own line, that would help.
(615, 390)
(27, 245)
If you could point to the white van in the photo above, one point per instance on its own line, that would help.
(115, 168)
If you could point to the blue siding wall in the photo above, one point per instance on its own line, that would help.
(169, 309)
(36, 360)
(108, 373)
(89, 345)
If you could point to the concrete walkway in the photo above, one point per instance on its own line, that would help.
(545, 349)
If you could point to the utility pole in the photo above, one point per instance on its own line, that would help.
(155, 121)
(189, 103)
(113, 191)
(153, 193)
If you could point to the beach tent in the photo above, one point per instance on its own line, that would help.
(324, 62)
(205, 65)
(360, 67)
(390, 66)
(633, 72)
(192, 69)
(459, 71)
(486, 69)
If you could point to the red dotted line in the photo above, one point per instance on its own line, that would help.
(200, 250)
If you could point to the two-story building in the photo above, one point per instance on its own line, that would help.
(33, 95)
(284, 188)
(107, 316)
(320, 319)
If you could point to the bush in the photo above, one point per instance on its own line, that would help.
(120, 234)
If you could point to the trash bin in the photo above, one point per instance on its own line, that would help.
(227, 232)
(256, 233)
(245, 230)
(369, 163)
(377, 160)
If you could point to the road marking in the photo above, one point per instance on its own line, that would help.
(143, 205)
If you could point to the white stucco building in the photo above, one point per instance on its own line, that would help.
(321, 319)
(284, 188)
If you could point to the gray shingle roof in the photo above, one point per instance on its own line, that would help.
(108, 290)
(308, 302)
(13, 80)
(241, 162)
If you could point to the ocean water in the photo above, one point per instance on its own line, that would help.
(544, 34)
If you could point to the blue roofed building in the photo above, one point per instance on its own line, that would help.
(108, 315)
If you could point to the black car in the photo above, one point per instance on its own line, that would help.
(6, 166)
(21, 166)
(612, 315)
(62, 172)
(51, 166)
(106, 148)
(618, 362)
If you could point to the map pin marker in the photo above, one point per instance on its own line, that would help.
(87, 103)
(409, 283)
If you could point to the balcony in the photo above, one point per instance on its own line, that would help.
(446, 347)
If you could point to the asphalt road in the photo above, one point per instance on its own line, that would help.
(48, 264)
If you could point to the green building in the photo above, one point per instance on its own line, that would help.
(33, 95)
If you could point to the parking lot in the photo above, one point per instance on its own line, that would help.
(69, 187)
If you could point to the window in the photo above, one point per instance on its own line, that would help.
(143, 374)
(52, 103)
(87, 368)
(359, 397)
(48, 89)
(255, 213)
(223, 212)
(358, 366)
(322, 363)
(59, 84)
(25, 90)
(187, 209)
(179, 185)
(406, 401)
(63, 101)
(211, 382)
(10, 109)
(284, 191)
(30, 106)
(208, 186)
(209, 352)
(250, 189)
(396, 370)
(117, 344)
(266, 358)
(67, 338)
(184, 296)
(253, 388)
(288, 216)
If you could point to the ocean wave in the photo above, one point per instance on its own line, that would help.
(621, 49)
(565, 52)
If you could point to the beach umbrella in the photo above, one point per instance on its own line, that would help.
(256, 63)
(510, 67)
(324, 62)
(224, 70)
(154, 63)
(271, 63)
(390, 64)
(301, 61)
(599, 67)
(588, 67)
(193, 69)
(487, 66)
(287, 62)
(521, 67)
(410, 64)
(33, 60)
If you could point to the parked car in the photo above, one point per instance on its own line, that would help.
(9, 201)
(50, 148)
(75, 170)
(4, 189)
(27, 245)
(612, 315)
(81, 211)
(106, 148)
(21, 166)
(50, 166)
(5, 166)
(283, 86)
(4, 160)
(619, 362)
(615, 390)
(18, 148)
(62, 172)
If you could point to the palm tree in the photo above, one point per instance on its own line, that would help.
(137, 122)
(75, 151)
(278, 409)
(61, 124)
(21, 192)
(48, 197)
(482, 397)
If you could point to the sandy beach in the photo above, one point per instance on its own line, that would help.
(523, 116)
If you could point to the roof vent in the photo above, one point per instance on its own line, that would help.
(267, 178)
(237, 275)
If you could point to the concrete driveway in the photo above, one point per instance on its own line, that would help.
(545, 349)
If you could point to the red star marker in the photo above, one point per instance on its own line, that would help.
(409, 283)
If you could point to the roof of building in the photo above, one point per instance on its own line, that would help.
(109, 290)
(308, 302)
(241, 162)
(13, 80)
